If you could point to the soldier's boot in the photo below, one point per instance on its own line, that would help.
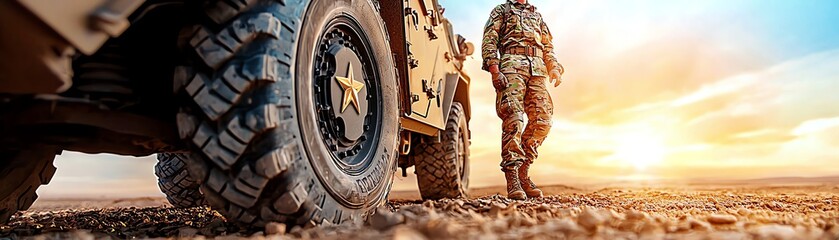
(527, 185)
(514, 190)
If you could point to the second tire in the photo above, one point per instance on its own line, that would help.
(180, 188)
(442, 167)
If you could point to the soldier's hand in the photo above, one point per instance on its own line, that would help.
(556, 78)
(499, 81)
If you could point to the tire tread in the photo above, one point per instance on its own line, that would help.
(173, 178)
(436, 170)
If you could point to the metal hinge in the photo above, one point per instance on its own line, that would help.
(412, 13)
(412, 61)
(431, 34)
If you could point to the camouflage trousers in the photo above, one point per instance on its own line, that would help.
(525, 95)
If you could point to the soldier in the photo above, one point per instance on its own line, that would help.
(517, 32)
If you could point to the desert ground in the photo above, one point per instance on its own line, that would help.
(732, 210)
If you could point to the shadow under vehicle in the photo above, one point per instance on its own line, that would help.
(291, 111)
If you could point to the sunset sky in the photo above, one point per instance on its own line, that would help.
(656, 89)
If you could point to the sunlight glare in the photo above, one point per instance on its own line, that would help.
(640, 150)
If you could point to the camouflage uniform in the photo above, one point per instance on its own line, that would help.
(526, 93)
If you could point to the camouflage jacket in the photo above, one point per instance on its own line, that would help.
(524, 27)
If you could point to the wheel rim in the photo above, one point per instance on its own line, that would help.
(360, 181)
(462, 160)
(347, 95)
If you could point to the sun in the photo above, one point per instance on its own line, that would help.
(640, 150)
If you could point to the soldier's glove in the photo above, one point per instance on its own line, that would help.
(556, 77)
(499, 81)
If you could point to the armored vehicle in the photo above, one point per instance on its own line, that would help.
(290, 111)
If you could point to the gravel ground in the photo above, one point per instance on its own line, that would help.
(803, 212)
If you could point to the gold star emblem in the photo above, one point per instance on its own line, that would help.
(351, 88)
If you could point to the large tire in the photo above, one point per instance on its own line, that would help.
(442, 168)
(21, 173)
(174, 181)
(270, 142)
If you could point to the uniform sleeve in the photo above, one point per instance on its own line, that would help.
(548, 50)
(492, 30)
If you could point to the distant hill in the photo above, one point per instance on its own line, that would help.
(827, 179)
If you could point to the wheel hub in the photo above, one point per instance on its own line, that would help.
(346, 96)
(349, 91)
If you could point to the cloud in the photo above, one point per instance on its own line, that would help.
(722, 87)
(778, 120)
(816, 140)
(816, 126)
